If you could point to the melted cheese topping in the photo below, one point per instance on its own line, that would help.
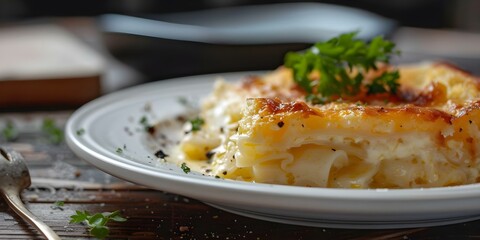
(261, 130)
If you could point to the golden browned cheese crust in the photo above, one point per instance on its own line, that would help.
(425, 136)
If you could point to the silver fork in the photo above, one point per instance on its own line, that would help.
(14, 177)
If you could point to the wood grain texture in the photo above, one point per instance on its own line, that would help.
(58, 175)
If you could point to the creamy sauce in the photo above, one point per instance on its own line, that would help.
(166, 136)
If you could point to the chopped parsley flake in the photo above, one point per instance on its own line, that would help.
(143, 120)
(119, 150)
(197, 124)
(185, 168)
(146, 125)
(80, 132)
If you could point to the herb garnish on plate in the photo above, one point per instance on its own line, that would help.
(337, 67)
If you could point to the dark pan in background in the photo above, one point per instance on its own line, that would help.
(230, 39)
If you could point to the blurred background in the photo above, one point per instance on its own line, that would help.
(61, 54)
(416, 13)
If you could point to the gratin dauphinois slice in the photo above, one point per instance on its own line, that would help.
(261, 130)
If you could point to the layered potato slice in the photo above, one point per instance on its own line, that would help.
(261, 130)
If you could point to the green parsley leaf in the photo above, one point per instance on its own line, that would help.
(10, 133)
(99, 231)
(144, 121)
(197, 124)
(115, 216)
(384, 83)
(97, 222)
(334, 61)
(146, 125)
(55, 134)
(79, 217)
(119, 150)
(185, 168)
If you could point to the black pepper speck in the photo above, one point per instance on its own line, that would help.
(160, 154)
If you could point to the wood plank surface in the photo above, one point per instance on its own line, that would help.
(58, 175)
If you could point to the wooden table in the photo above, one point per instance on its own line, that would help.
(58, 175)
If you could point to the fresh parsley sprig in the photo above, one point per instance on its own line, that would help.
(97, 222)
(334, 61)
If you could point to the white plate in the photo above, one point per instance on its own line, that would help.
(112, 122)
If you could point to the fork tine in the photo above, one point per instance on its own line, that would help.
(14, 177)
(4, 154)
